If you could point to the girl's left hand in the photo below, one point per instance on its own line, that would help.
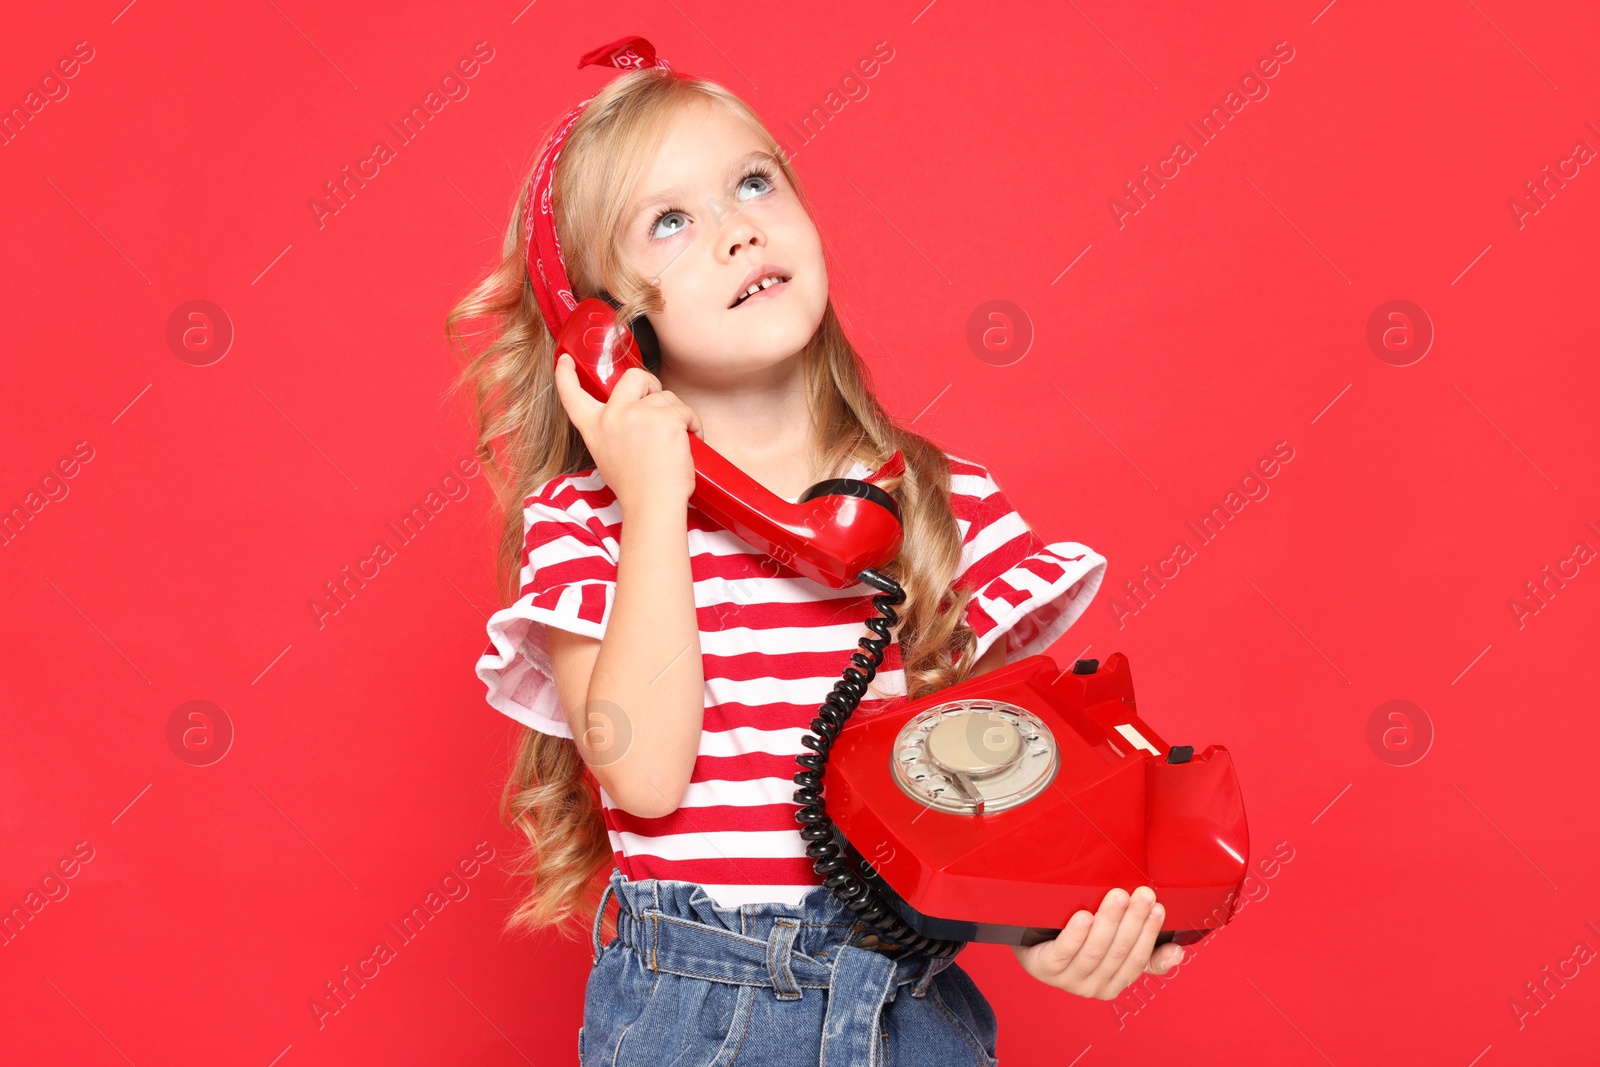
(1100, 955)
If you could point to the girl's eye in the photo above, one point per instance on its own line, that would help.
(761, 175)
(761, 179)
(655, 226)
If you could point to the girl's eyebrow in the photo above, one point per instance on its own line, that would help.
(670, 196)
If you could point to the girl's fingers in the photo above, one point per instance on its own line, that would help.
(1126, 935)
(1139, 954)
(1165, 958)
(1087, 959)
(635, 383)
(1065, 948)
(690, 419)
(580, 406)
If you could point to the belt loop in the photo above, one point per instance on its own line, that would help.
(857, 990)
(599, 915)
(929, 970)
(655, 920)
(779, 945)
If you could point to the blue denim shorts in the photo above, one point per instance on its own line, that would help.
(693, 984)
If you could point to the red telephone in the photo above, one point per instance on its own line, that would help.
(991, 810)
(1046, 789)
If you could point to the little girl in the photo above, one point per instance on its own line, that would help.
(664, 670)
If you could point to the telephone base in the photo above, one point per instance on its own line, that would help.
(943, 929)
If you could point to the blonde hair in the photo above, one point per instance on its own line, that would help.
(550, 796)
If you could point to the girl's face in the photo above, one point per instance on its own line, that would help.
(711, 216)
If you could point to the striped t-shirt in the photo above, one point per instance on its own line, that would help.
(773, 644)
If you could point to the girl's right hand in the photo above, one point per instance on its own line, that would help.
(638, 438)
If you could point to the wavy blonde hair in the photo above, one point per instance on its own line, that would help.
(550, 796)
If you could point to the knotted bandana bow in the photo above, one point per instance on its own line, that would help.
(546, 267)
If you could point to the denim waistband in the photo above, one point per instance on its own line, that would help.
(676, 928)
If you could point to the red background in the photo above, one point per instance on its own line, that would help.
(1228, 314)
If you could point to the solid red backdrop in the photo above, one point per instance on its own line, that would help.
(1430, 890)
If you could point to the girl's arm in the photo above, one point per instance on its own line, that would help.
(995, 657)
(635, 699)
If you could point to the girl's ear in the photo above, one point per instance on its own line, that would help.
(644, 336)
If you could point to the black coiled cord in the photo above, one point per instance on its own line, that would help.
(861, 898)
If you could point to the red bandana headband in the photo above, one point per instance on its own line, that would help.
(546, 269)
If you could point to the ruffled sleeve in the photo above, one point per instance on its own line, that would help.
(1024, 590)
(569, 580)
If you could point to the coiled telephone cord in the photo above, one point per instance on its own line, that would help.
(865, 900)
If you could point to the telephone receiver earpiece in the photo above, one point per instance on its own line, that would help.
(838, 528)
(644, 335)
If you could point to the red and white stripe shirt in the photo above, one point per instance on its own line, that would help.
(773, 644)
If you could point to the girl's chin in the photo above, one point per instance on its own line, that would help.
(740, 360)
(752, 344)
(787, 332)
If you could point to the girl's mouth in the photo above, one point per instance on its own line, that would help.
(769, 287)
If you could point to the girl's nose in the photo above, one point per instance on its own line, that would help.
(738, 230)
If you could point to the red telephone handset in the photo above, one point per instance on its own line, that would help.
(837, 529)
(991, 810)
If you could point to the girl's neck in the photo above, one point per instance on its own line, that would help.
(759, 422)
